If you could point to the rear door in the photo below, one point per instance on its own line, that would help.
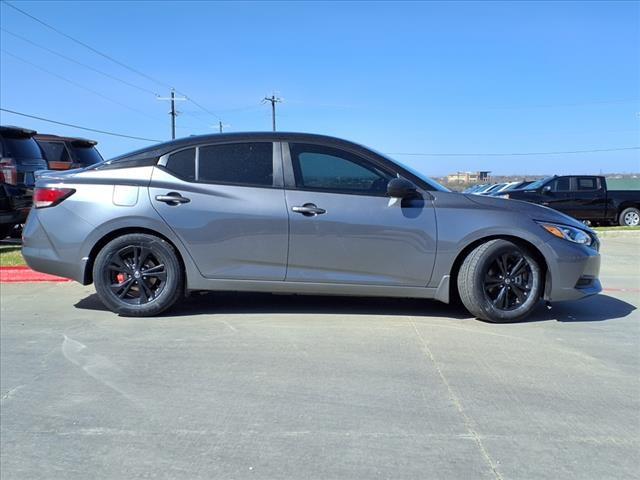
(226, 203)
(357, 235)
(590, 199)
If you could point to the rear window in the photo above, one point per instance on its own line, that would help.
(86, 155)
(55, 151)
(20, 147)
(237, 164)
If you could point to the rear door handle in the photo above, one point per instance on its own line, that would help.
(309, 210)
(172, 198)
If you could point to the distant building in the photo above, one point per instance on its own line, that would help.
(469, 177)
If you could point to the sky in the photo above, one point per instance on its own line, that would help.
(465, 78)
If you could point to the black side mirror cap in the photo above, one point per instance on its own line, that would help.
(401, 188)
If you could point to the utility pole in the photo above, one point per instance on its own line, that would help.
(220, 125)
(273, 99)
(173, 112)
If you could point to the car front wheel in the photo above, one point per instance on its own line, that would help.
(500, 281)
(138, 275)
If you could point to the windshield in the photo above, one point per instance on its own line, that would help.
(538, 183)
(435, 185)
(87, 156)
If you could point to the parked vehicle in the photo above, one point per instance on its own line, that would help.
(302, 214)
(584, 197)
(509, 187)
(20, 157)
(65, 153)
(483, 189)
(494, 188)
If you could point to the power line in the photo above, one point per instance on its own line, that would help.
(108, 75)
(94, 50)
(75, 84)
(78, 126)
(109, 57)
(189, 99)
(514, 154)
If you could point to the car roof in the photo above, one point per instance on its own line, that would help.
(18, 131)
(162, 148)
(76, 141)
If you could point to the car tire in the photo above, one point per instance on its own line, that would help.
(138, 275)
(500, 281)
(630, 217)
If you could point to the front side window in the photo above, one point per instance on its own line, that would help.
(562, 184)
(55, 151)
(237, 164)
(329, 169)
(183, 164)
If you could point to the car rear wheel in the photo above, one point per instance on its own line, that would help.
(500, 281)
(630, 217)
(138, 275)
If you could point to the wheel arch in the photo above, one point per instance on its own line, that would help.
(464, 252)
(99, 245)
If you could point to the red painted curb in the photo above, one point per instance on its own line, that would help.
(23, 274)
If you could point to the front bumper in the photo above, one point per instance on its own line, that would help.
(573, 271)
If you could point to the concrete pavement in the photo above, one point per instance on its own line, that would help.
(259, 386)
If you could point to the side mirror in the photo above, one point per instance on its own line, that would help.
(546, 189)
(401, 188)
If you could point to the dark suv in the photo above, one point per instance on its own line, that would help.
(20, 158)
(65, 153)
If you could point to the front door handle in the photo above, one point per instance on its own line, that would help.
(172, 198)
(309, 210)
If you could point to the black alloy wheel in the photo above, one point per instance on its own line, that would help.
(138, 275)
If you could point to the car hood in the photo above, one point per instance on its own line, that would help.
(536, 212)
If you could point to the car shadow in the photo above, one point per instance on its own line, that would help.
(594, 309)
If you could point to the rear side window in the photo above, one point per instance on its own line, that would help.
(54, 151)
(237, 164)
(562, 184)
(183, 164)
(588, 183)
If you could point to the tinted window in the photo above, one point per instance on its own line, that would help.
(86, 155)
(54, 151)
(561, 184)
(21, 147)
(183, 164)
(323, 168)
(237, 164)
(588, 184)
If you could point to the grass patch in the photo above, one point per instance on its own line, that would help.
(615, 229)
(11, 256)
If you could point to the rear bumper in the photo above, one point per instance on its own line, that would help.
(573, 271)
(41, 254)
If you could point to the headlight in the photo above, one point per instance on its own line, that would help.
(572, 234)
(504, 195)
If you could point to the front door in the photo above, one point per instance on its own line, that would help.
(224, 203)
(344, 228)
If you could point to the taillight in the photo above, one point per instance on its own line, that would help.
(9, 172)
(48, 197)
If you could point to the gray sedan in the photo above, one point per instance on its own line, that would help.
(300, 214)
